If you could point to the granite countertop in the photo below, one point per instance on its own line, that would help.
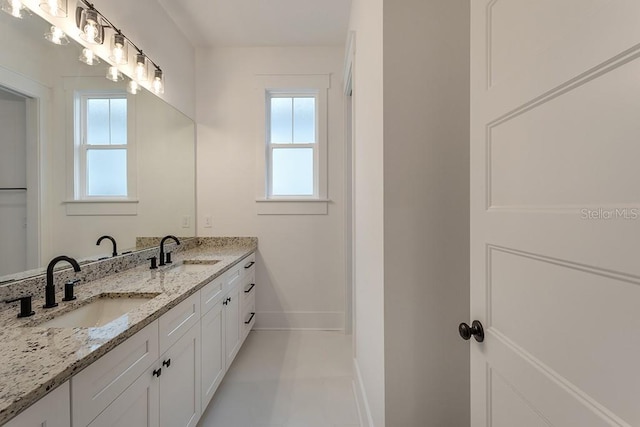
(35, 360)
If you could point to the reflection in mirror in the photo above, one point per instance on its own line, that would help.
(80, 157)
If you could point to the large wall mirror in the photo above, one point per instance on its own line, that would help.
(80, 157)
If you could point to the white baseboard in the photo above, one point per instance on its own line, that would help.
(300, 320)
(364, 412)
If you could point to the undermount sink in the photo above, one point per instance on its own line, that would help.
(194, 266)
(98, 312)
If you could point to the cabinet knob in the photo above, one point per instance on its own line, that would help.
(166, 363)
(476, 330)
(157, 372)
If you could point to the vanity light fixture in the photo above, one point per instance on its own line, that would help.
(57, 36)
(142, 68)
(114, 74)
(158, 81)
(13, 8)
(89, 57)
(55, 7)
(133, 87)
(119, 49)
(89, 22)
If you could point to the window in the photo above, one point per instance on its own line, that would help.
(103, 146)
(292, 149)
(293, 169)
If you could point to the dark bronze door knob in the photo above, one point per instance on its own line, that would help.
(476, 330)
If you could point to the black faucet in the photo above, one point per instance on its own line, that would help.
(50, 289)
(162, 258)
(113, 241)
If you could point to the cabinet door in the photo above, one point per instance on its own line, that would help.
(180, 381)
(232, 325)
(97, 386)
(53, 410)
(213, 355)
(137, 406)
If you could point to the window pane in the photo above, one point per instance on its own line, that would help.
(119, 121)
(292, 172)
(304, 120)
(97, 121)
(107, 172)
(281, 120)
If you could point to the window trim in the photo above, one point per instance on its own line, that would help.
(269, 146)
(83, 148)
(73, 86)
(317, 85)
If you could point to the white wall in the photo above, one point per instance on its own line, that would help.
(165, 156)
(366, 21)
(426, 211)
(411, 121)
(301, 269)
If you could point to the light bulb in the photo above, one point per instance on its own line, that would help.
(89, 57)
(119, 52)
(13, 8)
(114, 74)
(91, 30)
(158, 82)
(57, 36)
(133, 87)
(141, 67)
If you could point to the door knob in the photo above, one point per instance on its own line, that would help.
(475, 329)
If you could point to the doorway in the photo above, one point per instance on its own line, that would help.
(13, 182)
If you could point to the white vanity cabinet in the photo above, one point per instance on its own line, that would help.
(53, 410)
(166, 374)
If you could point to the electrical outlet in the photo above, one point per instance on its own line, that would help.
(186, 221)
(208, 221)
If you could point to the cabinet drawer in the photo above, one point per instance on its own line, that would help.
(249, 288)
(248, 318)
(94, 388)
(53, 410)
(211, 294)
(178, 320)
(249, 265)
(233, 277)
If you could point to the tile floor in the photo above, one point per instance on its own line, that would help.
(287, 379)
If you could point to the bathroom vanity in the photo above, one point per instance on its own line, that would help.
(137, 347)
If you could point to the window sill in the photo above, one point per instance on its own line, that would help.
(101, 207)
(292, 206)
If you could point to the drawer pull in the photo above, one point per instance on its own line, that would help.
(157, 372)
(250, 319)
(250, 287)
(166, 363)
(250, 264)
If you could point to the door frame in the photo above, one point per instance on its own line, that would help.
(349, 194)
(38, 100)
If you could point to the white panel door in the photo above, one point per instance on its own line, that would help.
(555, 212)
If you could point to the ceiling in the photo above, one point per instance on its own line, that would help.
(237, 23)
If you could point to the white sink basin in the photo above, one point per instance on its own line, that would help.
(193, 266)
(96, 313)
